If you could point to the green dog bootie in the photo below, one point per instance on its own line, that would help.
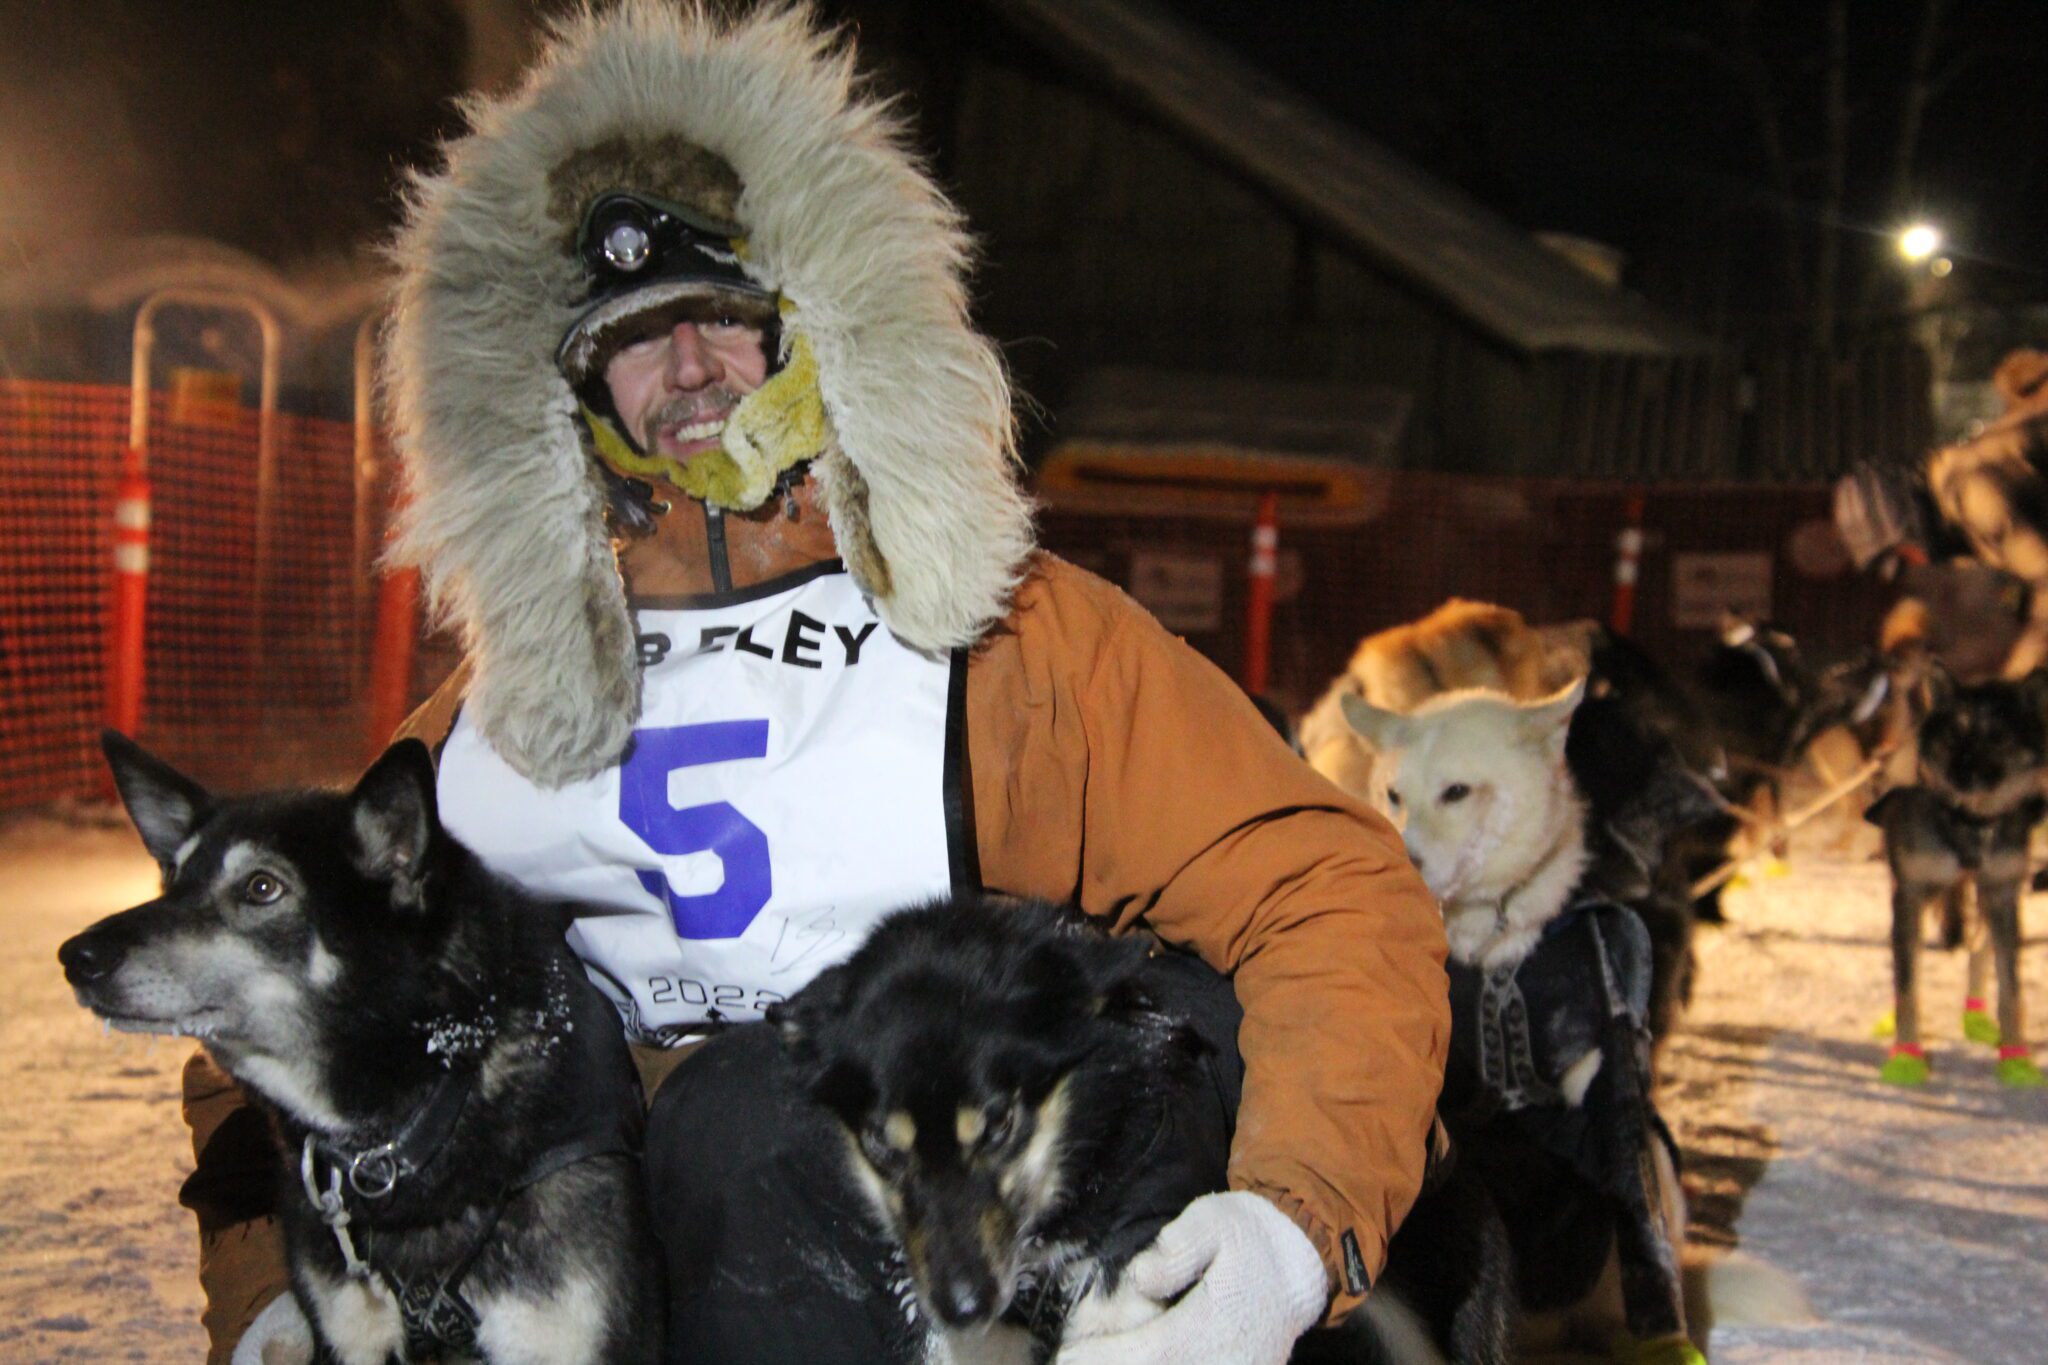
(1672, 1350)
(1906, 1066)
(1978, 1025)
(2017, 1068)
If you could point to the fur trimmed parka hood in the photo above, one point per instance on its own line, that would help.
(507, 511)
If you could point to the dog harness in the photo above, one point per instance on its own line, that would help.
(1516, 1030)
(1969, 836)
(355, 1186)
(797, 773)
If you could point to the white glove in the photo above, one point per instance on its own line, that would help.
(1258, 1284)
(279, 1336)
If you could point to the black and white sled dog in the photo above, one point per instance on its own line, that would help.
(1026, 1102)
(1983, 777)
(454, 1104)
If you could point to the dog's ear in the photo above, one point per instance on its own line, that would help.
(395, 820)
(1383, 729)
(165, 805)
(1549, 721)
(1112, 969)
(799, 1020)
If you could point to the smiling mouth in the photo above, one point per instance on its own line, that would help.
(692, 438)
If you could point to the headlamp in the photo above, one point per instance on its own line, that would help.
(643, 258)
(626, 245)
(627, 240)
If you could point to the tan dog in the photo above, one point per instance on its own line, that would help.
(1461, 645)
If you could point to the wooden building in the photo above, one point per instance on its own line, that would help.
(1155, 207)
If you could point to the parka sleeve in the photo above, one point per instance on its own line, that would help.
(1115, 767)
(232, 1192)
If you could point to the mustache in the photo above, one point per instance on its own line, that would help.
(685, 408)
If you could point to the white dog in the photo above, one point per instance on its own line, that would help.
(1549, 995)
(1477, 782)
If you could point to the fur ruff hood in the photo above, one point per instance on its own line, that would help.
(507, 511)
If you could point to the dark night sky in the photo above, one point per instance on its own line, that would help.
(273, 126)
(1631, 121)
(279, 126)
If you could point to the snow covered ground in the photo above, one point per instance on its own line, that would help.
(1917, 1222)
(96, 1258)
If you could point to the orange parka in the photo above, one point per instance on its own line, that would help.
(1113, 767)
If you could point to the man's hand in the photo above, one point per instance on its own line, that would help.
(1252, 1280)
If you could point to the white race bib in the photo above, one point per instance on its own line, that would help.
(787, 785)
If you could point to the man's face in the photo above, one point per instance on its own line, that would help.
(675, 389)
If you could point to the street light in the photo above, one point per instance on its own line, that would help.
(1930, 307)
(1919, 242)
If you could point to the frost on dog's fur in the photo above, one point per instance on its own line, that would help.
(507, 513)
(1478, 785)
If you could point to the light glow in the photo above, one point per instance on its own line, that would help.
(1919, 242)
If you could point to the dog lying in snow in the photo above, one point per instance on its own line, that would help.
(454, 1103)
(1548, 1090)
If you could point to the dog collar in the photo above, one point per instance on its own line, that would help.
(1499, 904)
(374, 1173)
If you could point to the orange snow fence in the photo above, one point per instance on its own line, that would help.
(247, 684)
(230, 698)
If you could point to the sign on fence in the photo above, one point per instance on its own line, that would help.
(1185, 591)
(1704, 586)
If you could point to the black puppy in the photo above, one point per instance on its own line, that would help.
(1025, 1101)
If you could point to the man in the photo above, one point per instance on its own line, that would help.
(717, 480)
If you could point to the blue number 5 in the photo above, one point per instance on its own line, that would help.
(715, 827)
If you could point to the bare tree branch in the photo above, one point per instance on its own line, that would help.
(1920, 90)
(1755, 79)
(1913, 105)
(1835, 113)
(1969, 57)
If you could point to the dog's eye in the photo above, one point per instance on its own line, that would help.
(1455, 793)
(262, 889)
(1394, 800)
(1002, 1121)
